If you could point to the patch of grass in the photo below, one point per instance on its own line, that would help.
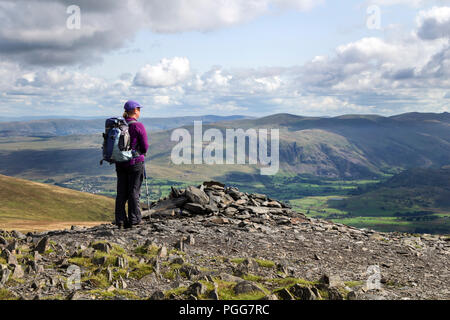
(117, 250)
(140, 271)
(176, 252)
(108, 295)
(252, 277)
(99, 280)
(24, 258)
(324, 294)
(5, 294)
(146, 251)
(226, 292)
(237, 260)
(170, 274)
(204, 269)
(352, 284)
(177, 291)
(265, 263)
(2, 260)
(82, 262)
(288, 282)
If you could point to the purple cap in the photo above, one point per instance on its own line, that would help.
(131, 105)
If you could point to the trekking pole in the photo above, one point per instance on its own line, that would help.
(146, 187)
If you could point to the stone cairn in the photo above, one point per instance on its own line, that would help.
(214, 199)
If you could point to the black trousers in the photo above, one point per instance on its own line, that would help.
(129, 181)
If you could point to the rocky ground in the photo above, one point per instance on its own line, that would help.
(215, 242)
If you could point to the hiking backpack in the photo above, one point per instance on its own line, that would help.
(116, 141)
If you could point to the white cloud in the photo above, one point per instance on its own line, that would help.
(370, 75)
(161, 100)
(167, 72)
(216, 78)
(434, 23)
(35, 32)
(413, 3)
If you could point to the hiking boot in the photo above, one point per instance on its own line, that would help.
(128, 226)
(120, 225)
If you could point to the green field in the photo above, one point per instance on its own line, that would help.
(371, 215)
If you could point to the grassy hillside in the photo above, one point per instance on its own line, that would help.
(32, 201)
(412, 192)
(418, 199)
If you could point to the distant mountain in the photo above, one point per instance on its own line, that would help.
(24, 200)
(344, 147)
(417, 116)
(63, 127)
(356, 146)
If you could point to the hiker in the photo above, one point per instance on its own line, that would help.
(130, 174)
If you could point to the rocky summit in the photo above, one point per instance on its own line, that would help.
(215, 242)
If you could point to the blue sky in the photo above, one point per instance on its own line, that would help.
(304, 57)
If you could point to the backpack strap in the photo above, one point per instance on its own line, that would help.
(131, 122)
(135, 153)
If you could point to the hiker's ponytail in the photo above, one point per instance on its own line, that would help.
(125, 115)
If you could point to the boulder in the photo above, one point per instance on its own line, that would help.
(214, 185)
(234, 193)
(284, 294)
(246, 287)
(18, 271)
(259, 210)
(331, 281)
(213, 294)
(13, 246)
(229, 278)
(42, 245)
(334, 294)
(4, 275)
(162, 252)
(18, 235)
(171, 203)
(195, 195)
(9, 257)
(175, 192)
(101, 261)
(230, 211)
(302, 293)
(190, 271)
(196, 289)
(157, 295)
(259, 196)
(102, 246)
(195, 208)
(273, 204)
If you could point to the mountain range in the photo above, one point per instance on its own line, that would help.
(344, 147)
(63, 126)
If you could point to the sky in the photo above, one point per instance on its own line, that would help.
(224, 57)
